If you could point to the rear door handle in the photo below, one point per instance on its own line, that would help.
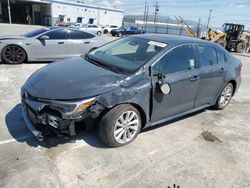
(194, 78)
(86, 42)
(60, 42)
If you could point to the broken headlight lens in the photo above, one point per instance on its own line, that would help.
(72, 109)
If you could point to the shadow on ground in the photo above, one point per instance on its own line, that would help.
(18, 130)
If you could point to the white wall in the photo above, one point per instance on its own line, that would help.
(105, 17)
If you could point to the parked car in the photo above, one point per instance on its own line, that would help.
(109, 28)
(47, 45)
(92, 28)
(77, 25)
(130, 84)
(130, 30)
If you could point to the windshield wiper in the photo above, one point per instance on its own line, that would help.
(105, 65)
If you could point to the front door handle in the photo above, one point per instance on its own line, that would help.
(194, 78)
(60, 42)
(222, 70)
(86, 42)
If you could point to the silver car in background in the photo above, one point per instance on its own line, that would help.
(47, 45)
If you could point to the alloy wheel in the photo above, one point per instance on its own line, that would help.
(126, 127)
(14, 54)
(226, 95)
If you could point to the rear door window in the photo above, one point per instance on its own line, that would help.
(80, 35)
(179, 59)
(207, 55)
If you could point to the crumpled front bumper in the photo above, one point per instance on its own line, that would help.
(31, 127)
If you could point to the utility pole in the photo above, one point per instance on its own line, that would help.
(97, 13)
(198, 28)
(146, 18)
(209, 17)
(9, 11)
(156, 13)
(145, 11)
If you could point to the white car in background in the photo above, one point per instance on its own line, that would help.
(92, 28)
(47, 45)
(108, 29)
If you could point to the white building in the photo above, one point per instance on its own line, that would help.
(50, 12)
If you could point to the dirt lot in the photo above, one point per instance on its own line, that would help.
(159, 157)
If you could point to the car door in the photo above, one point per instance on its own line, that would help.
(176, 71)
(212, 72)
(80, 43)
(127, 30)
(134, 30)
(53, 47)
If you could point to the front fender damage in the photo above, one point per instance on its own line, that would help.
(136, 92)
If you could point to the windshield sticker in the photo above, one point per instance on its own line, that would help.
(159, 44)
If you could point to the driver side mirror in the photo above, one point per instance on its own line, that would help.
(164, 87)
(44, 37)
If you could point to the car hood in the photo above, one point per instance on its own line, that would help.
(6, 37)
(73, 78)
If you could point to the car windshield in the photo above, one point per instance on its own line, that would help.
(127, 54)
(35, 32)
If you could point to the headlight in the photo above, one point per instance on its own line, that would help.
(70, 110)
(84, 105)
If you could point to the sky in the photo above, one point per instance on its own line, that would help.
(236, 11)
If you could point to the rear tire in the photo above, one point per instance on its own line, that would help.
(224, 97)
(13, 54)
(120, 125)
(222, 43)
(240, 47)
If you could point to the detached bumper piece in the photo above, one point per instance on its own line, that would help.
(46, 123)
(31, 127)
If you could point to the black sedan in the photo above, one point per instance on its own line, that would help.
(129, 84)
(130, 30)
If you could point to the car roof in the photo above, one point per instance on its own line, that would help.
(171, 40)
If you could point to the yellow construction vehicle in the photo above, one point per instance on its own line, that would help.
(217, 37)
(230, 38)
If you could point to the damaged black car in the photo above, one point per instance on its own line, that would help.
(127, 85)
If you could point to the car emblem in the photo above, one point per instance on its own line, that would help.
(53, 121)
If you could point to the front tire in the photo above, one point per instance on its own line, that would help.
(13, 54)
(120, 125)
(119, 34)
(99, 33)
(224, 97)
(222, 43)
